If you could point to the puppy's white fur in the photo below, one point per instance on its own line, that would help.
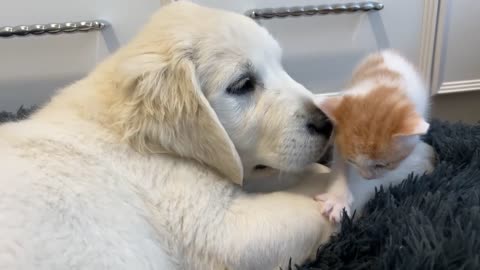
(130, 168)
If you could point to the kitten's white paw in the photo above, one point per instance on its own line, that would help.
(432, 156)
(333, 205)
(425, 158)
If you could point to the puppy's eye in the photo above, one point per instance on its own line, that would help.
(242, 86)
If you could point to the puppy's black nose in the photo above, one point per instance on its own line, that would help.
(323, 128)
(319, 125)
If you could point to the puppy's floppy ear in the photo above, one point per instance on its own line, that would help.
(164, 111)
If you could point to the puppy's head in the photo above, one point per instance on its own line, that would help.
(209, 85)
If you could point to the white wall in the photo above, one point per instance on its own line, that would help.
(32, 68)
(319, 52)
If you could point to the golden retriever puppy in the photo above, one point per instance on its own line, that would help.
(139, 165)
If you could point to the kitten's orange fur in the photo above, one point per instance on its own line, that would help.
(367, 124)
(378, 121)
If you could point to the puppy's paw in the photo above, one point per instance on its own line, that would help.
(333, 205)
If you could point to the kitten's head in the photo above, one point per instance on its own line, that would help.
(374, 131)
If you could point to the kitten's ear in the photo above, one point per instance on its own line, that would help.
(415, 126)
(328, 105)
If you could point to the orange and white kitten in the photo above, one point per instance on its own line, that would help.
(378, 122)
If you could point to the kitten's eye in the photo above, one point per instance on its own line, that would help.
(390, 165)
(243, 86)
(380, 166)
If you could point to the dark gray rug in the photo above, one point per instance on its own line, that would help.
(429, 222)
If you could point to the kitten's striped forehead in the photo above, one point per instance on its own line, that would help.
(374, 66)
(366, 123)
